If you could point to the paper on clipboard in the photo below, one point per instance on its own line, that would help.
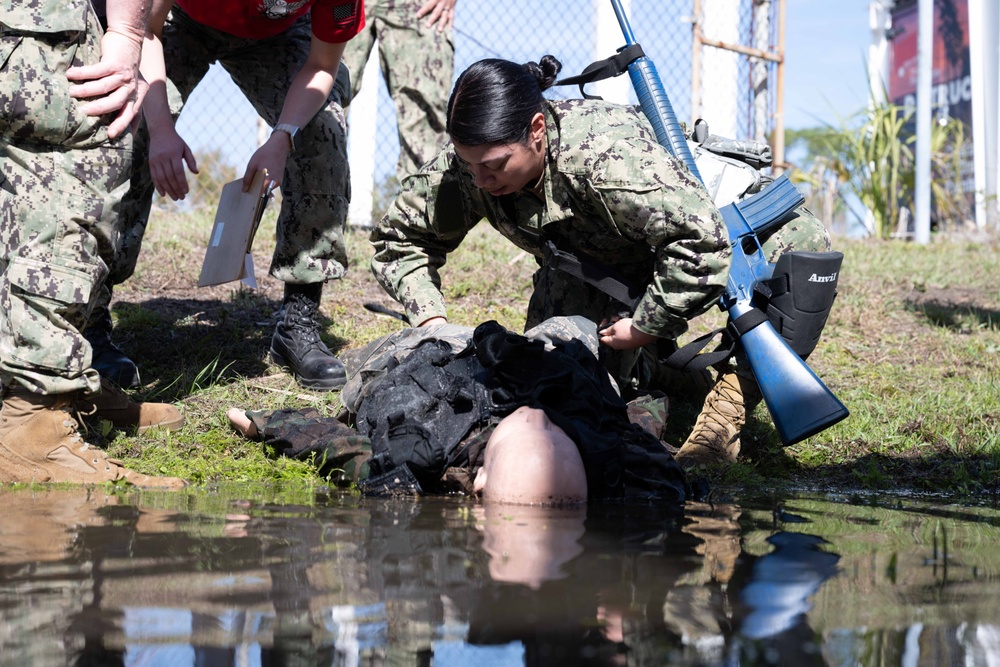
(227, 257)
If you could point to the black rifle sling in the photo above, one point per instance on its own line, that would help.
(593, 273)
(604, 69)
(689, 357)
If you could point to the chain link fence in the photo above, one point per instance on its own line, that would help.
(733, 91)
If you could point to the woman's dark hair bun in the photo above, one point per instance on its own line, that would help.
(545, 73)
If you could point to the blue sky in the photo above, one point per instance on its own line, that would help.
(826, 55)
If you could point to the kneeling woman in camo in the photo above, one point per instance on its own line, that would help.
(581, 177)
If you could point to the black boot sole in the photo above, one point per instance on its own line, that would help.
(330, 383)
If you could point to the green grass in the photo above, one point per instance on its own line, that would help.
(912, 348)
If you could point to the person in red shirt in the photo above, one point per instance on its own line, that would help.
(285, 56)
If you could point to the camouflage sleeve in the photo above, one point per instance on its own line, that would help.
(339, 452)
(428, 219)
(653, 198)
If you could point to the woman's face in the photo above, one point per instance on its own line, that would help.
(501, 169)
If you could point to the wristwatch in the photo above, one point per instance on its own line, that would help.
(292, 132)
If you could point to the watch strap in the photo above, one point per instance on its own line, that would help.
(289, 129)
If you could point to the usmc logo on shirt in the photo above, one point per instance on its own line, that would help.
(279, 9)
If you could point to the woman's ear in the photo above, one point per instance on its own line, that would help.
(537, 131)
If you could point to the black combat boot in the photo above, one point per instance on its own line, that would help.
(107, 359)
(296, 344)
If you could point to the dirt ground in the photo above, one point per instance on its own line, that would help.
(171, 327)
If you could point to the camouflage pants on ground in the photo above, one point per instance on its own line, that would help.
(559, 294)
(61, 182)
(315, 190)
(417, 63)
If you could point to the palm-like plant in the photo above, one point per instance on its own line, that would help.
(871, 153)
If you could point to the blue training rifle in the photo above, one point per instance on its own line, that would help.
(799, 403)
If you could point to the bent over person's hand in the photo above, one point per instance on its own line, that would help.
(619, 334)
(168, 153)
(112, 85)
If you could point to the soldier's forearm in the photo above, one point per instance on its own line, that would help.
(129, 18)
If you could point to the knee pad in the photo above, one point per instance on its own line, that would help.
(799, 295)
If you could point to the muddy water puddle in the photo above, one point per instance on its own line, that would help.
(230, 577)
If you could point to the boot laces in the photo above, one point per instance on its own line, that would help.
(300, 315)
(74, 424)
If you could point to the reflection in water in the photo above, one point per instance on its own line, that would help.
(530, 545)
(783, 581)
(777, 597)
(91, 577)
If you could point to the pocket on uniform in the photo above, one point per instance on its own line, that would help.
(46, 298)
(61, 283)
(36, 103)
(30, 17)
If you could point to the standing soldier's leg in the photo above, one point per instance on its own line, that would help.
(359, 49)
(315, 194)
(715, 437)
(187, 56)
(418, 63)
(61, 182)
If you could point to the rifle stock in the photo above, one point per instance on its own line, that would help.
(799, 403)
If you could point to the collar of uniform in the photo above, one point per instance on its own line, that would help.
(556, 199)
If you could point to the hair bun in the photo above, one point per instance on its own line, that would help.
(546, 72)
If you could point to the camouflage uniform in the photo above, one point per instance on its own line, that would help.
(61, 182)
(306, 434)
(316, 185)
(417, 64)
(611, 195)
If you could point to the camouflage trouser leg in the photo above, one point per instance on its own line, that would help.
(418, 64)
(132, 219)
(359, 49)
(334, 448)
(61, 183)
(803, 231)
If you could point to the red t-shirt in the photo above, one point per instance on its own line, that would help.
(334, 21)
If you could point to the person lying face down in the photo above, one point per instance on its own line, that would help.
(535, 418)
(528, 460)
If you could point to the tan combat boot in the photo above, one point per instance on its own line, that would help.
(40, 442)
(715, 437)
(117, 407)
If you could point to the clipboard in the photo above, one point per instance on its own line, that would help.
(227, 257)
